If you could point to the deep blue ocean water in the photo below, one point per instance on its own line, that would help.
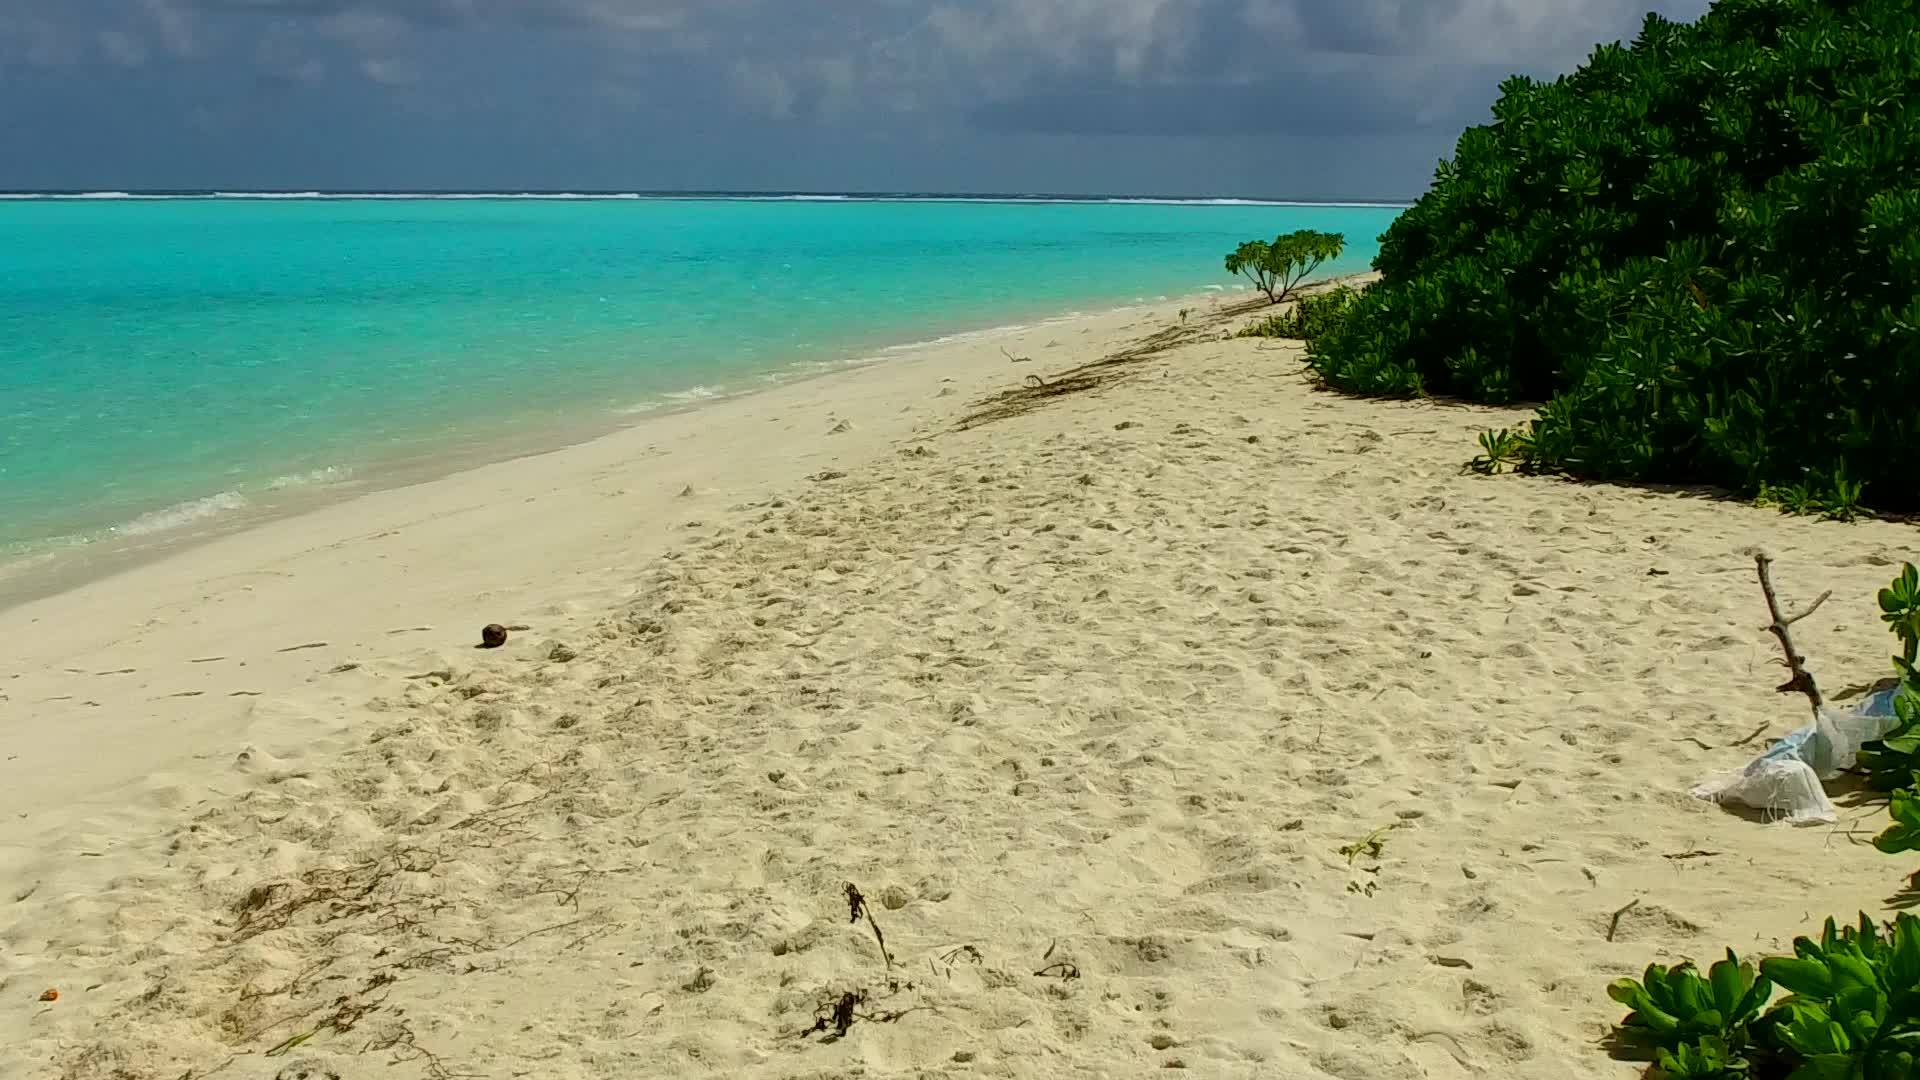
(167, 361)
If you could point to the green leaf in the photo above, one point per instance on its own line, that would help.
(1629, 993)
(1728, 986)
(1805, 977)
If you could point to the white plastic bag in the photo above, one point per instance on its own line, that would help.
(1785, 781)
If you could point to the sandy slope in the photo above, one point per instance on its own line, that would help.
(1086, 701)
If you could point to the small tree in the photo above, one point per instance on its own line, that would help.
(1279, 267)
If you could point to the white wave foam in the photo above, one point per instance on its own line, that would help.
(332, 474)
(695, 393)
(179, 514)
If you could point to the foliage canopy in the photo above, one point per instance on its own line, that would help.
(1701, 252)
(1278, 267)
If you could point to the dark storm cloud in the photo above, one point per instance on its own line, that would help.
(1274, 107)
(955, 94)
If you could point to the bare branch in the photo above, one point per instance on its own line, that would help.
(1802, 680)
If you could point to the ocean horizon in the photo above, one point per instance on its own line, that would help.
(172, 360)
(161, 194)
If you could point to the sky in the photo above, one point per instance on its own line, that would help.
(1354, 99)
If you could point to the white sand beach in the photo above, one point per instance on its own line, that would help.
(1085, 700)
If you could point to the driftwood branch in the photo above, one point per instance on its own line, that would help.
(859, 906)
(1802, 680)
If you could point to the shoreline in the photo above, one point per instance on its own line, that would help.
(318, 571)
(54, 565)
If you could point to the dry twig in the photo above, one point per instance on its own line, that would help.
(1802, 680)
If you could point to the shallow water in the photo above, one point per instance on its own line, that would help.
(168, 362)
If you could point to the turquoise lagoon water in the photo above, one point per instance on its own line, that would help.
(168, 362)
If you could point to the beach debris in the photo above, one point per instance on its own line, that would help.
(839, 1006)
(306, 1069)
(686, 492)
(702, 981)
(839, 1013)
(1613, 924)
(841, 428)
(827, 474)
(308, 645)
(494, 635)
(561, 653)
(1802, 680)
(50, 995)
(1035, 391)
(1786, 780)
(1012, 359)
(1369, 847)
(857, 905)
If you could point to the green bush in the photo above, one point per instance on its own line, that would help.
(1311, 316)
(1853, 1012)
(1700, 252)
(1892, 762)
(1278, 267)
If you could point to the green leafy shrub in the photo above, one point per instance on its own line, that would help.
(1311, 316)
(1892, 762)
(1501, 450)
(1701, 253)
(1853, 1010)
(1695, 1022)
(1278, 267)
(1900, 610)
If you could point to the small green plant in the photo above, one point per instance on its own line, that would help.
(1892, 762)
(1853, 1010)
(1697, 1023)
(1501, 450)
(1278, 267)
(1904, 833)
(1900, 610)
(1843, 499)
(1709, 1059)
(1838, 500)
(1796, 499)
(1370, 846)
(1312, 315)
